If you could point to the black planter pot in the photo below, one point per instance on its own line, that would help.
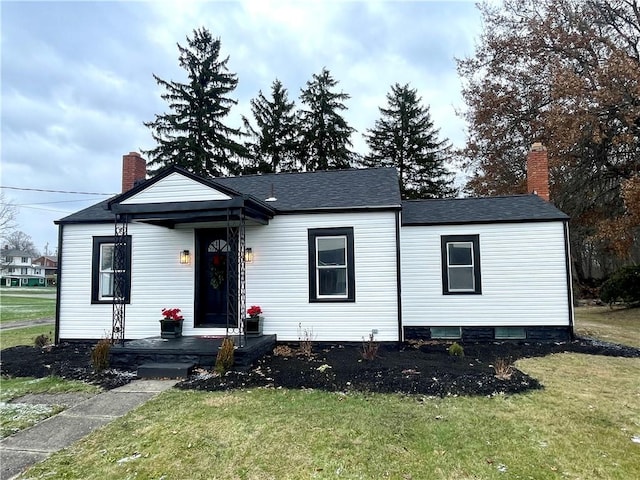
(253, 326)
(170, 328)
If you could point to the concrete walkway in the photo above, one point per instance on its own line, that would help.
(34, 444)
(26, 323)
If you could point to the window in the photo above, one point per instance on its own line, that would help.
(12, 270)
(507, 333)
(24, 271)
(461, 264)
(25, 260)
(103, 272)
(331, 265)
(445, 332)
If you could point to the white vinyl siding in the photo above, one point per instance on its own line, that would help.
(176, 188)
(158, 280)
(278, 278)
(524, 276)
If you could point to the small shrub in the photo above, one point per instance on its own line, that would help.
(624, 285)
(369, 348)
(503, 368)
(283, 351)
(224, 359)
(42, 340)
(100, 355)
(305, 337)
(456, 350)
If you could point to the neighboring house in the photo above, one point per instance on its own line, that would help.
(333, 255)
(50, 265)
(18, 270)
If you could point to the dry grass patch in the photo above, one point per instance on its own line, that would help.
(617, 324)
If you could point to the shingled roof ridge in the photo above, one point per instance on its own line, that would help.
(268, 174)
(470, 198)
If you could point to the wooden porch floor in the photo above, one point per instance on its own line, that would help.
(201, 351)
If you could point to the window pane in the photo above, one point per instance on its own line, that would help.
(461, 278)
(106, 284)
(460, 254)
(332, 251)
(445, 332)
(332, 281)
(106, 257)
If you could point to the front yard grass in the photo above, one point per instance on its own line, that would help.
(26, 307)
(617, 324)
(24, 336)
(17, 416)
(584, 424)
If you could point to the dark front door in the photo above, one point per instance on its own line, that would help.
(215, 264)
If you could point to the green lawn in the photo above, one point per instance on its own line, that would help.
(17, 416)
(582, 425)
(24, 336)
(619, 325)
(26, 304)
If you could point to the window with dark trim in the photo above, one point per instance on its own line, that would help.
(331, 265)
(103, 272)
(461, 265)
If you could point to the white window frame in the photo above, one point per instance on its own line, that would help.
(333, 267)
(472, 266)
(102, 271)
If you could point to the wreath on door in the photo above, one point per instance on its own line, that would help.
(218, 270)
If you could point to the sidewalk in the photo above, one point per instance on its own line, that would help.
(26, 323)
(34, 444)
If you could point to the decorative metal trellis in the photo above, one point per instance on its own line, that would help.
(120, 266)
(236, 280)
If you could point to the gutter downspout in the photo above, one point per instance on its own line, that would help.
(58, 285)
(567, 253)
(399, 278)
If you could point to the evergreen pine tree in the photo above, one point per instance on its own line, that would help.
(405, 137)
(273, 143)
(193, 135)
(325, 134)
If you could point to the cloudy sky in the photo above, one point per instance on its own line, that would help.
(77, 78)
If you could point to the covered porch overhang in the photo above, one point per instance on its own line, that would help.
(170, 215)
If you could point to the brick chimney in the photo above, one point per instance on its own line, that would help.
(134, 169)
(538, 171)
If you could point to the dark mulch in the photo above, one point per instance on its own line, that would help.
(70, 361)
(426, 369)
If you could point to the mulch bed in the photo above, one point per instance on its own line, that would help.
(425, 369)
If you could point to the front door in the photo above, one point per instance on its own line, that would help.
(215, 264)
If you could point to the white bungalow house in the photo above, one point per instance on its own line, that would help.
(337, 254)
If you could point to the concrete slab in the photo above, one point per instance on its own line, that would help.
(52, 434)
(110, 404)
(151, 386)
(14, 463)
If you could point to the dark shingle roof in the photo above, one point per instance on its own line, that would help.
(514, 208)
(331, 189)
(375, 187)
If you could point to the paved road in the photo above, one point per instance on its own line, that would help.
(26, 323)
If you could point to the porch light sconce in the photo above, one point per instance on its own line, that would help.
(185, 257)
(248, 255)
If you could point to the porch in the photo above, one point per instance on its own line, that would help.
(198, 351)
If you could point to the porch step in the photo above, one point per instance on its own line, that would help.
(165, 370)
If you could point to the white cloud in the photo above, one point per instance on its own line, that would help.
(77, 77)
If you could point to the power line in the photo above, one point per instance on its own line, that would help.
(54, 191)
